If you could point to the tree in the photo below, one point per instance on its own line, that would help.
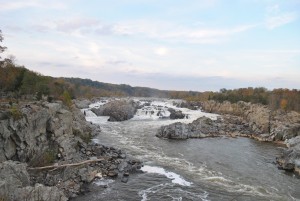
(2, 48)
(67, 98)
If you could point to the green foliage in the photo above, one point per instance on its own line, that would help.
(15, 113)
(66, 98)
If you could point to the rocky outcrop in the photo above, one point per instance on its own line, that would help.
(40, 134)
(192, 105)
(174, 131)
(42, 127)
(81, 104)
(119, 110)
(267, 125)
(257, 115)
(290, 158)
(176, 114)
(15, 184)
(205, 127)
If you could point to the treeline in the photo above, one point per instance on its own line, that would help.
(285, 99)
(17, 82)
(20, 83)
(107, 89)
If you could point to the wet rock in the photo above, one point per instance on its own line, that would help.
(174, 131)
(124, 179)
(117, 110)
(176, 114)
(112, 174)
(205, 127)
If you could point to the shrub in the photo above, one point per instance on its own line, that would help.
(47, 157)
(16, 113)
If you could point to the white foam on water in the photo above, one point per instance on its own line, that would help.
(176, 193)
(88, 113)
(176, 178)
(99, 103)
(103, 182)
(155, 154)
(153, 189)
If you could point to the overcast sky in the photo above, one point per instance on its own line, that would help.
(166, 44)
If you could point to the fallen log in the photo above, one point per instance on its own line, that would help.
(56, 166)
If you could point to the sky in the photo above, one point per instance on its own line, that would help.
(197, 45)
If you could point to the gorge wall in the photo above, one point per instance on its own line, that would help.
(39, 134)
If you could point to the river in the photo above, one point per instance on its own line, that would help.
(195, 169)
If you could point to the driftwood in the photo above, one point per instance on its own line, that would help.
(66, 165)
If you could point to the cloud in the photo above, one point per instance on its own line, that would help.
(178, 33)
(276, 18)
(161, 51)
(76, 24)
(20, 4)
(116, 62)
(280, 20)
(159, 30)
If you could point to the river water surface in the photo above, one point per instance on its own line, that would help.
(194, 169)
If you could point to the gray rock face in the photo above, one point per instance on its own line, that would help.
(176, 114)
(174, 131)
(267, 125)
(13, 175)
(39, 192)
(50, 134)
(119, 110)
(43, 126)
(257, 115)
(290, 158)
(192, 105)
(81, 104)
(205, 127)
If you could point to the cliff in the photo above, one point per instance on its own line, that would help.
(39, 134)
(266, 124)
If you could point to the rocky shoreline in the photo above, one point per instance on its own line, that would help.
(36, 135)
(246, 120)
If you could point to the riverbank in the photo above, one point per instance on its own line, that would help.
(47, 153)
(219, 168)
(255, 121)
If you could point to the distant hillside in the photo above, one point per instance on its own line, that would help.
(122, 89)
(17, 82)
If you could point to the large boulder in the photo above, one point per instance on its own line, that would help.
(205, 127)
(39, 192)
(176, 114)
(15, 185)
(174, 131)
(119, 110)
(290, 158)
(81, 104)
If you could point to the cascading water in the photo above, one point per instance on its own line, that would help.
(195, 169)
